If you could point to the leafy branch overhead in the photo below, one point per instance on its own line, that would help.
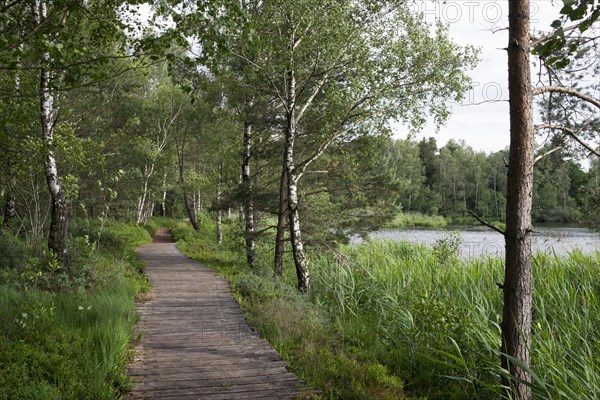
(573, 30)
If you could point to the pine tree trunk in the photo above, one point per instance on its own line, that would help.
(57, 238)
(281, 218)
(250, 229)
(516, 317)
(292, 178)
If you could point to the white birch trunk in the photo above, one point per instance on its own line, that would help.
(148, 172)
(57, 238)
(219, 210)
(198, 202)
(248, 208)
(163, 201)
(281, 217)
(292, 194)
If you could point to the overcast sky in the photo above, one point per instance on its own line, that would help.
(480, 23)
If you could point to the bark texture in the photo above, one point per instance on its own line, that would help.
(249, 225)
(189, 207)
(57, 238)
(142, 209)
(292, 181)
(10, 206)
(218, 202)
(516, 317)
(281, 218)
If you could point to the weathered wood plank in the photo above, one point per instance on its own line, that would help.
(238, 391)
(195, 342)
(203, 372)
(210, 383)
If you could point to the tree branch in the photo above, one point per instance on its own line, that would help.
(564, 90)
(485, 223)
(265, 72)
(335, 133)
(538, 158)
(8, 6)
(569, 132)
(536, 41)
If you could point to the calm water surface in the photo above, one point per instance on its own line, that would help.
(480, 241)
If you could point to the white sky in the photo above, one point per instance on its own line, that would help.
(482, 126)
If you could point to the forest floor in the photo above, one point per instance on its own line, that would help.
(195, 342)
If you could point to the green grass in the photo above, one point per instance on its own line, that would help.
(434, 221)
(387, 320)
(67, 337)
(436, 324)
(417, 219)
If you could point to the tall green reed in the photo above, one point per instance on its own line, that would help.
(436, 324)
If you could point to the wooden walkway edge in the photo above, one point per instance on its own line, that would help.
(195, 342)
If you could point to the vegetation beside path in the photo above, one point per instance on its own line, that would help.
(67, 336)
(392, 320)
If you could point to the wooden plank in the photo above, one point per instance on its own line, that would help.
(193, 382)
(196, 343)
(207, 372)
(238, 391)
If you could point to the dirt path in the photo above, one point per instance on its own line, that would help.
(195, 341)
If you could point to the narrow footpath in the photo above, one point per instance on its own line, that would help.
(195, 342)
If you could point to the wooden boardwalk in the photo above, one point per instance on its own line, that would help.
(195, 342)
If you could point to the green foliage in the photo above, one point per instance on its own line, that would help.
(559, 47)
(441, 186)
(111, 236)
(416, 219)
(447, 249)
(67, 336)
(13, 252)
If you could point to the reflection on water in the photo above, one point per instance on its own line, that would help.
(479, 241)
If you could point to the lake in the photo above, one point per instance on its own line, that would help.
(480, 241)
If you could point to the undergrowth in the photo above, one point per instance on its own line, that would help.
(66, 335)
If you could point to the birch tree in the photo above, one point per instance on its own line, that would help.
(62, 45)
(341, 69)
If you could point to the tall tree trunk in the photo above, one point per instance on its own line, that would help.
(10, 207)
(189, 208)
(163, 200)
(281, 218)
(57, 238)
(148, 172)
(197, 202)
(516, 317)
(250, 229)
(218, 202)
(292, 178)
